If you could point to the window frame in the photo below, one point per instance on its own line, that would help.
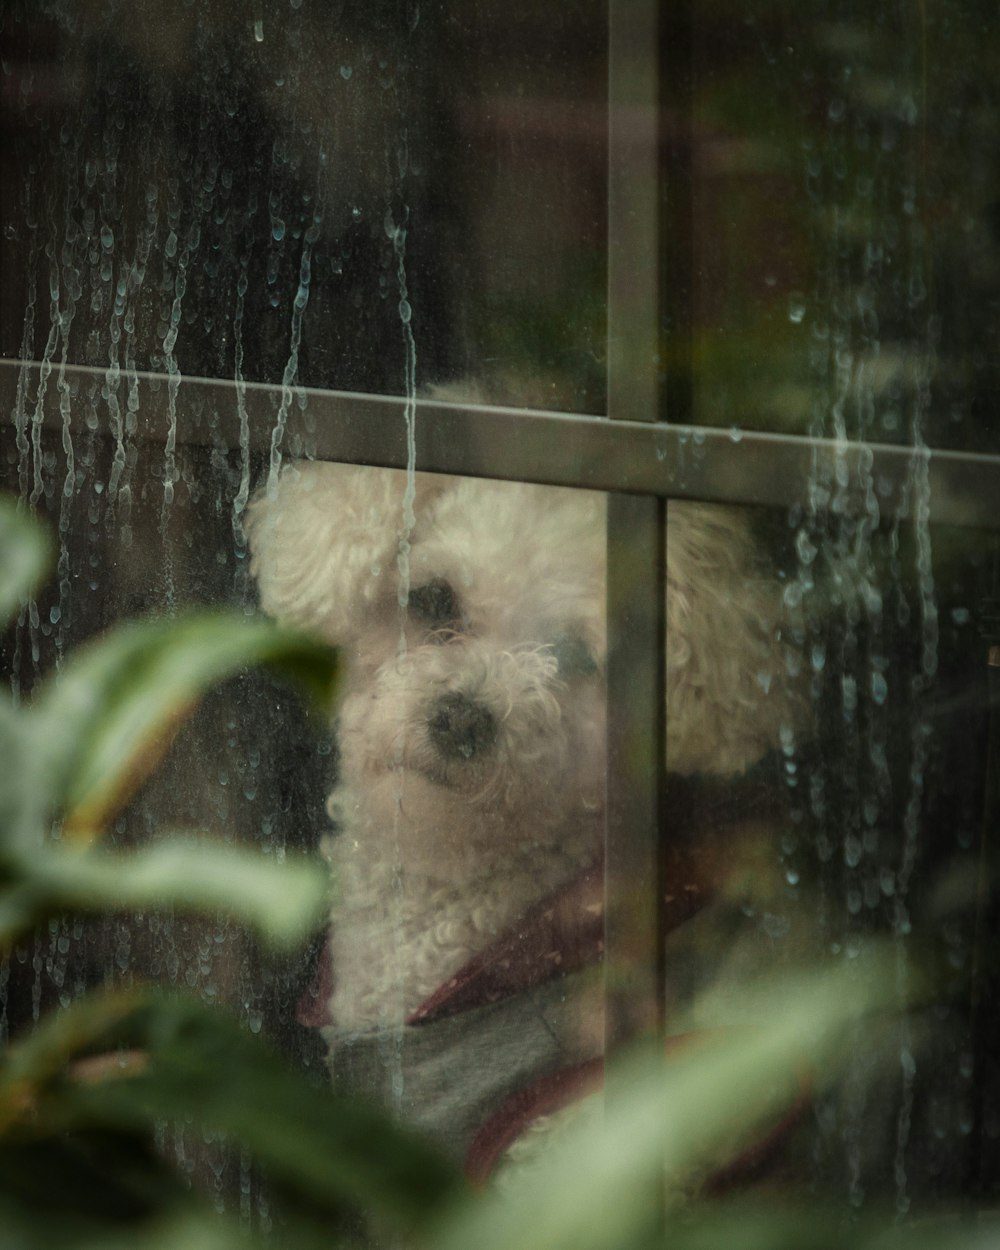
(644, 453)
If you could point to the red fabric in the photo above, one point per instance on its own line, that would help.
(313, 1010)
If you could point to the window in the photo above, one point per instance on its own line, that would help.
(742, 256)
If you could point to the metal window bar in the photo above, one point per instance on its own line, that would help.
(557, 449)
(633, 454)
(640, 459)
(634, 980)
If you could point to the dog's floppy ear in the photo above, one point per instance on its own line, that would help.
(729, 700)
(324, 539)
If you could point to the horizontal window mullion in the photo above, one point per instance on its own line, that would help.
(560, 449)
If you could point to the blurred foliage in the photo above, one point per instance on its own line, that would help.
(91, 735)
(85, 1095)
(82, 1095)
(844, 246)
(78, 1165)
(631, 1178)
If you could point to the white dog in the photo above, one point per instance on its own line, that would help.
(472, 719)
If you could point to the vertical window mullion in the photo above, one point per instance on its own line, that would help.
(636, 534)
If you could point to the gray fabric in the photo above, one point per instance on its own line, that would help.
(449, 1077)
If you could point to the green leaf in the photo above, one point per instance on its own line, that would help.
(769, 1225)
(603, 1186)
(31, 1062)
(24, 555)
(63, 1190)
(319, 1149)
(181, 1225)
(282, 899)
(101, 725)
(21, 908)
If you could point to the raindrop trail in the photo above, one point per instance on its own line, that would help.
(121, 497)
(21, 434)
(289, 379)
(918, 490)
(44, 373)
(243, 494)
(27, 352)
(68, 490)
(398, 236)
(410, 415)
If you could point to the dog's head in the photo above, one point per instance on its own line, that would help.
(475, 642)
(483, 695)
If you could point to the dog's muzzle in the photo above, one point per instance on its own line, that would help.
(460, 728)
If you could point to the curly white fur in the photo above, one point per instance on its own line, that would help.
(473, 747)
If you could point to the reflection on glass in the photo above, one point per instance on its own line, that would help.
(844, 244)
(470, 796)
(398, 197)
(278, 192)
(470, 800)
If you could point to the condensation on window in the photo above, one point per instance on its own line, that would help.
(411, 199)
(368, 198)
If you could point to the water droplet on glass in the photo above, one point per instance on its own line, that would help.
(278, 230)
(775, 926)
(346, 72)
(796, 308)
(805, 548)
(258, 31)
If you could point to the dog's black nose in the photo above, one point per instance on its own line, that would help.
(460, 727)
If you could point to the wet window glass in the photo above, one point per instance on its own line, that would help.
(612, 387)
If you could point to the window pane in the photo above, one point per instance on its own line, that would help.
(317, 194)
(402, 199)
(844, 242)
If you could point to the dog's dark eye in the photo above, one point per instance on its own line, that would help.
(574, 657)
(436, 604)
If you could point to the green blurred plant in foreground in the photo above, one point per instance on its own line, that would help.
(81, 1095)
